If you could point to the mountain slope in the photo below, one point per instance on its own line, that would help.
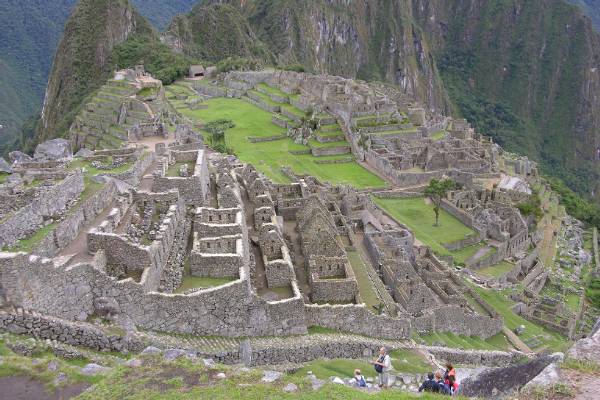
(29, 34)
(591, 8)
(215, 32)
(526, 72)
(83, 59)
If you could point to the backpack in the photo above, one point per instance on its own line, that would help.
(361, 382)
(379, 368)
(444, 388)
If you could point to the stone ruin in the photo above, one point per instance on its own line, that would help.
(279, 252)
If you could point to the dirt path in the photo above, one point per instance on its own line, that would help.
(25, 388)
(514, 339)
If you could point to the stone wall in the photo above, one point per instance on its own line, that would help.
(457, 320)
(330, 151)
(357, 319)
(193, 189)
(228, 310)
(76, 334)
(217, 257)
(49, 201)
(75, 220)
(474, 357)
(134, 175)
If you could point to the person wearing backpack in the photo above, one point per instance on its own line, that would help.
(429, 385)
(443, 388)
(383, 365)
(359, 379)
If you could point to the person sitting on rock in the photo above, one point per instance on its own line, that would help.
(359, 379)
(429, 385)
(442, 387)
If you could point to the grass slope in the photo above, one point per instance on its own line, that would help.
(418, 215)
(270, 157)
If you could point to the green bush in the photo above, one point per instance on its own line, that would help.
(237, 64)
(157, 58)
(575, 205)
(533, 206)
(294, 67)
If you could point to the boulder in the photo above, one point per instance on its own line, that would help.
(84, 153)
(18, 157)
(587, 349)
(271, 376)
(172, 354)
(151, 350)
(54, 149)
(290, 387)
(94, 369)
(5, 166)
(547, 378)
(499, 382)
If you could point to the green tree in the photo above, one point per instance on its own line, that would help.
(436, 191)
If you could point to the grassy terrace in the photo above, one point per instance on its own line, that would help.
(270, 157)
(173, 170)
(398, 132)
(316, 143)
(91, 171)
(501, 302)
(496, 342)
(408, 361)
(418, 215)
(497, 270)
(365, 287)
(272, 90)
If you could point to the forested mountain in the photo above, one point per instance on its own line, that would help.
(592, 9)
(523, 71)
(29, 34)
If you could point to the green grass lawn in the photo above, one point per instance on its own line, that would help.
(501, 302)
(572, 301)
(269, 157)
(460, 256)
(91, 171)
(497, 270)
(419, 217)
(272, 90)
(404, 360)
(496, 342)
(365, 288)
(173, 170)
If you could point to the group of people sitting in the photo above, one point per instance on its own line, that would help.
(443, 383)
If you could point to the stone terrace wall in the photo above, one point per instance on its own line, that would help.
(357, 319)
(134, 175)
(228, 310)
(68, 229)
(51, 201)
(475, 357)
(76, 334)
(456, 320)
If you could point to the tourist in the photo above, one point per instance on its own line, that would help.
(442, 387)
(429, 385)
(450, 377)
(383, 365)
(359, 379)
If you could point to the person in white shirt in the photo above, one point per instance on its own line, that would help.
(383, 366)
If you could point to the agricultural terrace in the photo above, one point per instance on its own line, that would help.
(270, 156)
(417, 214)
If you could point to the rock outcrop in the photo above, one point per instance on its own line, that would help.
(54, 149)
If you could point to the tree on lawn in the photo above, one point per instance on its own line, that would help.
(436, 191)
